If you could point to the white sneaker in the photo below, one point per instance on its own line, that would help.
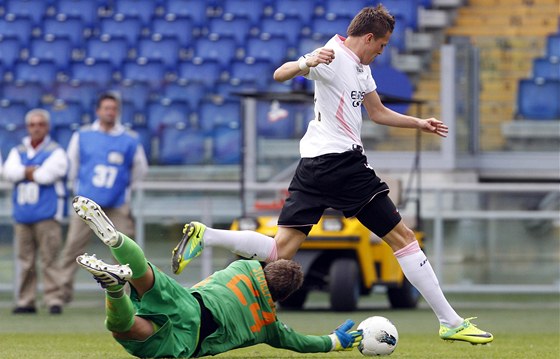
(105, 274)
(91, 213)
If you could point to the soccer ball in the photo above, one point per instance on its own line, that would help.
(380, 336)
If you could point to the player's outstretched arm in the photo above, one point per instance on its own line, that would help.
(291, 69)
(382, 115)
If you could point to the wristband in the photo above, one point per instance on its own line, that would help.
(302, 63)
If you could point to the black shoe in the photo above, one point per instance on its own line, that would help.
(24, 310)
(55, 309)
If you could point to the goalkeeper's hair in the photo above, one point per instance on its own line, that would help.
(375, 20)
(283, 278)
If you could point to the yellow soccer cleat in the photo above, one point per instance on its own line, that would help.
(189, 247)
(467, 332)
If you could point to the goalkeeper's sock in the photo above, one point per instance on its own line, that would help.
(247, 244)
(119, 310)
(126, 251)
(420, 274)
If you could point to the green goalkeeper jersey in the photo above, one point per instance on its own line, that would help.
(241, 304)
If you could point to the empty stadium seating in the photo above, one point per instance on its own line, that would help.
(192, 52)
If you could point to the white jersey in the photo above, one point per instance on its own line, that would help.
(339, 91)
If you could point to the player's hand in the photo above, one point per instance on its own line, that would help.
(322, 55)
(431, 125)
(344, 339)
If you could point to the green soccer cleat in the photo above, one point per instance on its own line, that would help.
(91, 213)
(189, 247)
(107, 275)
(467, 332)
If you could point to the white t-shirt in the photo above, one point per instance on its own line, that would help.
(339, 91)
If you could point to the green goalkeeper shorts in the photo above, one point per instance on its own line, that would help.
(175, 311)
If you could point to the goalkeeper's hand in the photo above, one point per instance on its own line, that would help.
(344, 339)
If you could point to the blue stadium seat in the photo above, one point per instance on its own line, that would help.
(228, 90)
(181, 146)
(179, 26)
(330, 26)
(143, 9)
(85, 93)
(99, 72)
(34, 9)
(207, 72)
(166, 112)
(188, 91)
(128, 114)
(19, 27)
(212, 115)
(30, 93)
(65, 114)
(9, 138)
(162, 48)
(398, 37)
(10, 50)
(237, 27)
(407, 9)
(12, 114)
(309, 43)
(63, 26)
(226, 146)
(151, 72)
(342, 8)
(275, 119)
(87, 10)
(138, 93)
(117, 26)
(194, 9)
(392, 82)
(56, 49)
(107, 48)
(538, 99)
(221, 49)
(553, 46)
(273, 49)
(547, 68)
(249, 8)
(289, 27)
(303, 9)
(43, 72)
(259, 72)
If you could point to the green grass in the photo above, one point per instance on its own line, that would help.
(524, 327)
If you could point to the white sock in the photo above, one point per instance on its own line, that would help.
(419, 272)
(247, 244)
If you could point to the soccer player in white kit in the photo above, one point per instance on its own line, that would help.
(334, 172)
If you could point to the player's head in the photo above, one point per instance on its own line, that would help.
(38, 124)
(107, 108)
(372, 20)
(283, 278)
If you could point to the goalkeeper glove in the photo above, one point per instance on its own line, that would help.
(344, 339)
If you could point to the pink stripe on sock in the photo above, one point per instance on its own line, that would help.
(409, 249)
(273, 256)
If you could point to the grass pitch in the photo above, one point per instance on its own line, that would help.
(523, 326)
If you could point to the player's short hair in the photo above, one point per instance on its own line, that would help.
(375, 20)
(107, 96)
(283, 278)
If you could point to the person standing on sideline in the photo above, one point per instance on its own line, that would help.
(334, 171)
(106, 160)
(37, 168)
(232, 308)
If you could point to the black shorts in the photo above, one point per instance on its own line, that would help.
(342, 181)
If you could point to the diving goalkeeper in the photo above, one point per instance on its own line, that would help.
(233, 308)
